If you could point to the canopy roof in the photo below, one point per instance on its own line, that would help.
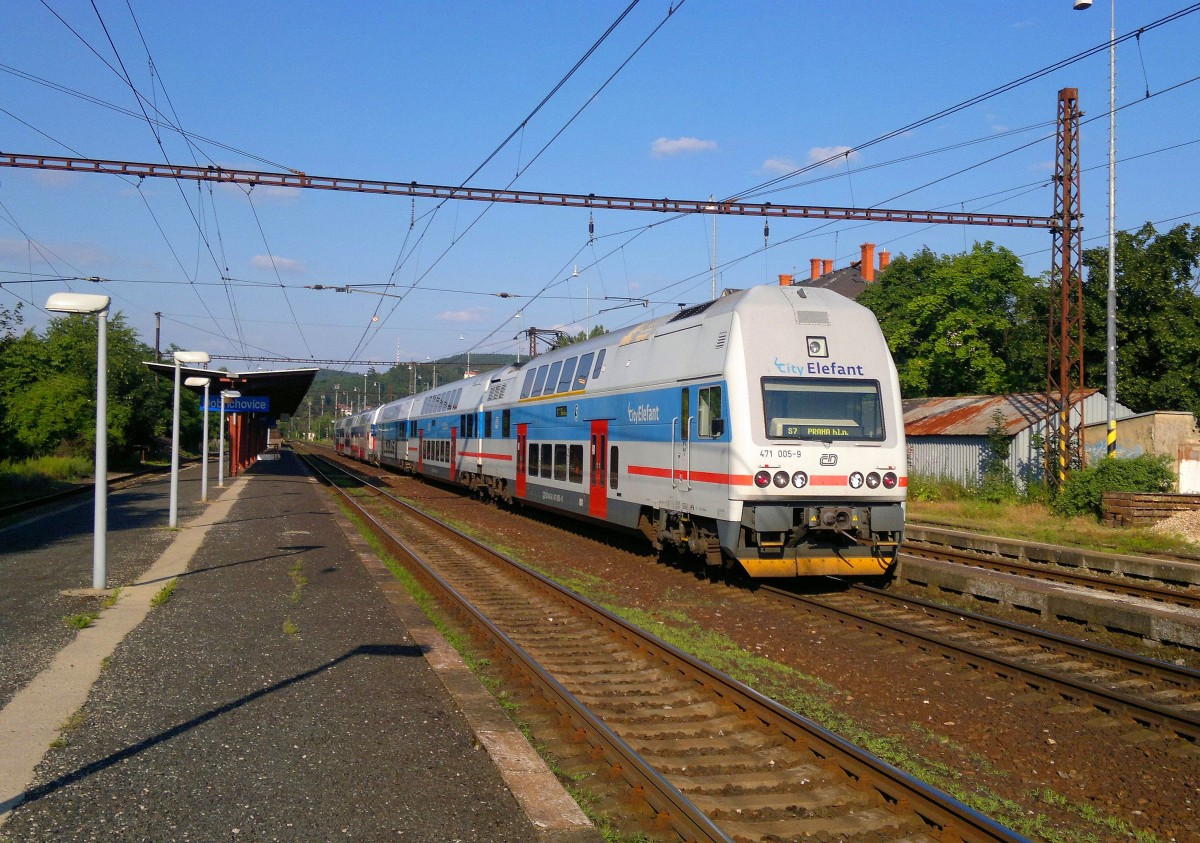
(286, 388)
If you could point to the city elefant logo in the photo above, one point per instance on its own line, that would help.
(642, 413)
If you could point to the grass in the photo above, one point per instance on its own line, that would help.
(299, 581)
(164, 593)
(69, 725)
(1035, 522)
(290, 628)
(81, 620)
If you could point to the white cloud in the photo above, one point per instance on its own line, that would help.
(838, 153)
(471, 314)
(664, 147)
(779, 166)
(280, 264)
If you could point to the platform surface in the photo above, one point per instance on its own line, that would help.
(282, 691)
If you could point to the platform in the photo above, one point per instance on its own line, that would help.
(285, 689)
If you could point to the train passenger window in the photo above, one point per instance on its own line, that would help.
(527, 386)
(552, 378)
(581, 374)
(599, 364)
(568, 372)
(575, 464)
(685, 413)
(710, 423)
(533, 460)
(541, 379)
(487, 424)
(547, 461)
(505, 423)
(614, 466)
(560, 462)
(462, 425)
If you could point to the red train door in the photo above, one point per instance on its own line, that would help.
(454, 454)
(522, 436)
(420, 451)
(598, 484)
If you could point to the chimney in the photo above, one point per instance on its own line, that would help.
(868, 262)
(816, 268)
(826, 266)
(884, 259)
(785, 280)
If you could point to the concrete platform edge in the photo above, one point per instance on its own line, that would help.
(550, 809)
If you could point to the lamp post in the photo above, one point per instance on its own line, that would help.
(1111, 300)
(204, 382)
(97, 305)
(226, 394)
(180, 357)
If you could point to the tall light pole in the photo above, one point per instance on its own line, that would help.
(1111, 301)
(97, 305)
(188, 357)
(204, 382)
(226, 395)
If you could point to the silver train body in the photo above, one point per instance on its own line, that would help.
(762, 430)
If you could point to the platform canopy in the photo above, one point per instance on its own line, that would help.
(285, 388)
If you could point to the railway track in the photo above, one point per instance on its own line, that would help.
(1138, 690)
(711, 758)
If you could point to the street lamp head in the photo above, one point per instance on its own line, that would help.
(77, 303)
(230, 394)
(1082, 4)
(191, 356)
(197, 382)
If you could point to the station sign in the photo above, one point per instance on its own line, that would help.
(245, 404)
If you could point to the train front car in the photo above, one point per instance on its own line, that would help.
(817, 438)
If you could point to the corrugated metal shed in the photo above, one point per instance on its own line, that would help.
(947, 437)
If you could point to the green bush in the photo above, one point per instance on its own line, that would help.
(1083, 491)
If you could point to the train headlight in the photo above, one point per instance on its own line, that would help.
(781, 479)
(855, 480)
(799, 479)
(763, 479)
(873, 480)
(890, 480)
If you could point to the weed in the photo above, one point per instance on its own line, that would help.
(82, 620)
(111, 600)
(290, 628)
(298, 580)
(164, 593)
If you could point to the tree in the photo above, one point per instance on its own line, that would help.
(970, 323)
(48, 391)
(571, 339)
(1158, 318)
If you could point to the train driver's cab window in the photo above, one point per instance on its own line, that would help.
(709, 421)
(822, 409)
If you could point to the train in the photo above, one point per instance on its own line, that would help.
(762, 430)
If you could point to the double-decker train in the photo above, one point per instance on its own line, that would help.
(762, 429)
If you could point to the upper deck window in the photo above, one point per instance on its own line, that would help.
(822, 409)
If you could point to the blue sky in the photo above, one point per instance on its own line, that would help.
(724, 97)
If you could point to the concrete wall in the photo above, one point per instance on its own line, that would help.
(1170, 433)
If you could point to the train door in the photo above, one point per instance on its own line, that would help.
(598, 482)
(454, 454)
(681, 455)
(420, 451)
(522, 437)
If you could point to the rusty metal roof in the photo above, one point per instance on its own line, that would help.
(974, 415)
